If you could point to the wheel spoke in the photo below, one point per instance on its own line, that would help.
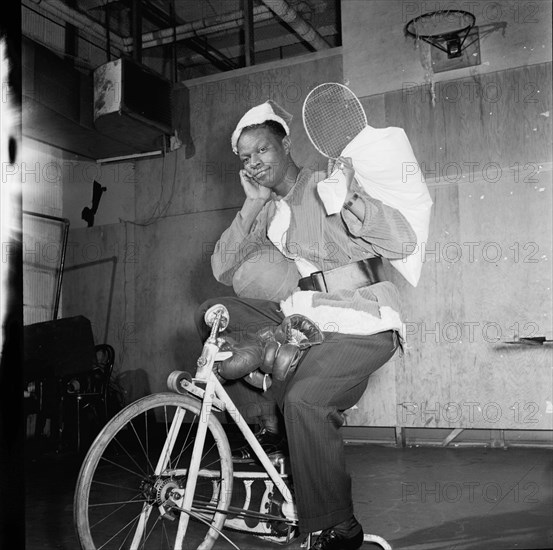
(140, 475)
(134, 477)
(188, 441)
(122, 487)
(145, 450)
(134, 520)
(193, 514)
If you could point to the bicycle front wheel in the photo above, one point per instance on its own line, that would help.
(134, 477)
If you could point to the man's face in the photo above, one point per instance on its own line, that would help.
(264, 156)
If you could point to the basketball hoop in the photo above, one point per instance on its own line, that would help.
(446, 30)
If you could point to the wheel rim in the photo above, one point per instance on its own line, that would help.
(132, 480)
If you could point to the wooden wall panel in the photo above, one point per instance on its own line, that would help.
(487, 263)
(494, 119)
(428, 365)
(377, 406)
(507, 289)
(458, 371)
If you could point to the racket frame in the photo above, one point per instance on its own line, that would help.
(310, 94)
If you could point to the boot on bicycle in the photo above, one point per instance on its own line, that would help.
(273, 354)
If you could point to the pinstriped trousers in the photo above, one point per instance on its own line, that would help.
(330, 378)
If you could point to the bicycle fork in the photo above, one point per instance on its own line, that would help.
(197, 452)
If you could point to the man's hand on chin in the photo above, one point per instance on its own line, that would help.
(252, 188)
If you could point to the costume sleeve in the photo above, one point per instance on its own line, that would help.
(231, 248)
(383, 227)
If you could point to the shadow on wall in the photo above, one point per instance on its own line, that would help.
(197, 286)
(95, 283)
(181, 117)
(201, 283)
(187, 348)
(134, 385)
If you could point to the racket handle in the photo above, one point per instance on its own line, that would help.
(330, 167)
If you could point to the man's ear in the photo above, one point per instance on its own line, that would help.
(287, 143)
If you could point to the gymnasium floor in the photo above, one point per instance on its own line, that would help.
(417, 498)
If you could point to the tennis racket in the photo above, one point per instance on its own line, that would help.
(332, 117)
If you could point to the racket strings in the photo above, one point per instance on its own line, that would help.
(333, 116)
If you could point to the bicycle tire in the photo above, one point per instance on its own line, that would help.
(112, 493)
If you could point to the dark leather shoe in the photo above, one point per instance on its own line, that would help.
(330, 540)
(274, 445)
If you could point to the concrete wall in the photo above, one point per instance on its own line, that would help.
(139, 274)
(185, 201)
(98, 278)
(117, 201)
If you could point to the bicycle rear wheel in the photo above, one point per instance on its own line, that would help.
(134, 476)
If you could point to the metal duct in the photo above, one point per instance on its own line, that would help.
(300, 26)
(199, 27)
(234, 20)
(264, 45)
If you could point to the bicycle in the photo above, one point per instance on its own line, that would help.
(187, 470)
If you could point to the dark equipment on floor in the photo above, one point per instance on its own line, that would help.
(68, 374)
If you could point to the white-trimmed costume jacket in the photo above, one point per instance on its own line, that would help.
(271, 244)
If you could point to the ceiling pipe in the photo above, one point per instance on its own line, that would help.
(233, 20)
(61, 11)
(267, 44)
(220, 23)
(210, 25)
(303, 29)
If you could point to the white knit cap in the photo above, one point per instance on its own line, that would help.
(258, 115)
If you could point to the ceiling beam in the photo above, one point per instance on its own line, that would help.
(267, 44)
(249, 42)
(200, 27)
(190, 33)
(299, 25)
(214, 56)
(234, 20)
(160, 18)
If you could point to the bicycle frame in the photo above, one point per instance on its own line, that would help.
(209, 397)
(213, 396)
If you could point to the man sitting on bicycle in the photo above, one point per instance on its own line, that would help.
(295, 269)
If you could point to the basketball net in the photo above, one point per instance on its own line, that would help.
(446, 30)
